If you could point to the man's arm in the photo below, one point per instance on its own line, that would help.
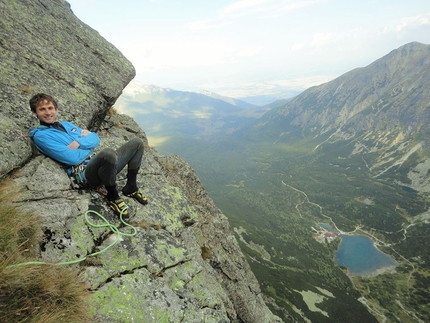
(55, 144)
(83, 138)
(75, 144)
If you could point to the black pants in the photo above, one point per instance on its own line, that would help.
(105, 165)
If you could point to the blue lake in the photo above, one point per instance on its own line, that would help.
(360, 256)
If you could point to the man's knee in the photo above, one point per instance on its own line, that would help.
(109, 155)
(137, 143)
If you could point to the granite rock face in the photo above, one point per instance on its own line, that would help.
(183, 264)
(45, 48)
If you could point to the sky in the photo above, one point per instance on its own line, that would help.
(253, 47)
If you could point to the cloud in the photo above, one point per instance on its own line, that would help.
(157, 140)
(273, 88)
(299, 5)
(414, 21)
(240, 6)
(201, 114)
(182, 54)
(207, 24)
(321, 39)
(249, 51)
(245, 8)
(297, 46)
(226, 14)
(303, 82)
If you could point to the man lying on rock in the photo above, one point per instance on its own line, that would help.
(72, 146)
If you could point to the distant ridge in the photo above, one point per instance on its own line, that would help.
(135, 88)
(390, 94)
(235, 102)
(168, 112)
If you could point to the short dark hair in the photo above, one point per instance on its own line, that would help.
(41, 97)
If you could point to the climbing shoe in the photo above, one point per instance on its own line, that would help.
(119, 207)
(138, 197)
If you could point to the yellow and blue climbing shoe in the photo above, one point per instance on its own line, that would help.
(119, 207)
(138, 197)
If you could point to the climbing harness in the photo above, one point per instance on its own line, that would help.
(105, 224)
(77, 174)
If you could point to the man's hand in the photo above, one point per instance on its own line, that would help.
(85, 132)
(74, 145)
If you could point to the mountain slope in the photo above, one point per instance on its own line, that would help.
(169, 112)
(390, 94)
(382, 110)
(232, 101)
(317, 159)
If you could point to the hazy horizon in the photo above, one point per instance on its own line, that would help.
(253, 47)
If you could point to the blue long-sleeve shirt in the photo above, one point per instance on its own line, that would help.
(53, 143)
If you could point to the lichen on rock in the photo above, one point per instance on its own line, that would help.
(159, 274)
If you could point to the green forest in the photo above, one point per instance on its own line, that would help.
(276, 194)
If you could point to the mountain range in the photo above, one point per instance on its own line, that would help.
(290, 181)
(354, 153)
(388, 95)
(381, 112)
(166, 112)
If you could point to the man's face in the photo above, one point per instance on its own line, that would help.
(46, 111)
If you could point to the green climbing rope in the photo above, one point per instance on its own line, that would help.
(105, 224)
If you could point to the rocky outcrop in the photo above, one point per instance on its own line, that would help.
(45, 48)
(183, 264)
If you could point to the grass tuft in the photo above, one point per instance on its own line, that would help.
(112, 111)
(33, 293)
(27, 88)
(206, 252)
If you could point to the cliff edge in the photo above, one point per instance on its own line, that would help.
(184, 263)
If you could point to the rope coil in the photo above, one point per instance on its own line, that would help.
(105, 224)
